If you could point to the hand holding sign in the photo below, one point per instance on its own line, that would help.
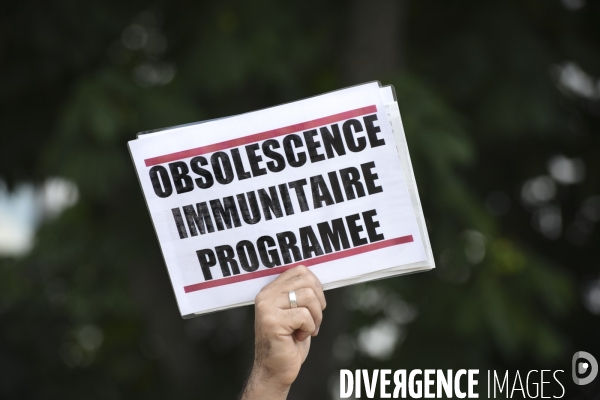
(283, 333)
(324, 182)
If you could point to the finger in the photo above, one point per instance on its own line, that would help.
(305, 297)
(276, 292)
(297, 278)
(317, 287)
(304, 347)
(299, 320)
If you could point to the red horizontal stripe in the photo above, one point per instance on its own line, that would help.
(308, 263)
(257, 137)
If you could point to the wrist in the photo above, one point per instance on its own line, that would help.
(263, 384)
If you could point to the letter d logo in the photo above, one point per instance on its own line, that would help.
(580, 367)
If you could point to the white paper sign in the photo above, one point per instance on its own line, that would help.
(317, 182)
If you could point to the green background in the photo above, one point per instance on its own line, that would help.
(486, 103)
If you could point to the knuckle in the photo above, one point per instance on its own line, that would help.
(306, 313)
(314, 281)
(261, 306)
(310, 273)
(306, 294)
(268, 321)
(264, 293)
(302, 270)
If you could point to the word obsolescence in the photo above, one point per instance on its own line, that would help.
(324, 182)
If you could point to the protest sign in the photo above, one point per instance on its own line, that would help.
(325, 182)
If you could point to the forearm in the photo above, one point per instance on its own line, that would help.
(260, 387)
(289, 311)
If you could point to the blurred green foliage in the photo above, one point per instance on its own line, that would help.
(89, 311)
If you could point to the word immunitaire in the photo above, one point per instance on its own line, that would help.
(274, 155)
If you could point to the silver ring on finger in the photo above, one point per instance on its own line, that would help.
(292, 296)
